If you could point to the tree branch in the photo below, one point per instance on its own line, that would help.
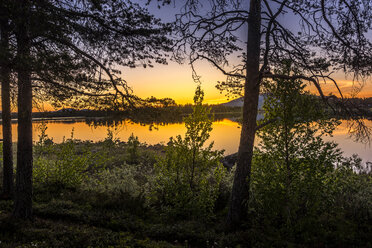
(219, 67)
(126, 96)
(264, 124)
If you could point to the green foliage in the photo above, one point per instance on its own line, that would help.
(301, 185)
(125, 182)
(304, 193)
(62, 165)
(44, 139)
(44, 143)
(133, 151)
(111, 140)
(67, 170)
(188, 177)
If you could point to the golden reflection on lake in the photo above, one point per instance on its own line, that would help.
(225, 134)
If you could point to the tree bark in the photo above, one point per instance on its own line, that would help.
(23, 189)
(8, 180)
(240, 191)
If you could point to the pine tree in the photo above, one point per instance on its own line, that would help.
(69, 51)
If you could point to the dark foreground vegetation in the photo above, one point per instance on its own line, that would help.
(106, 194)
(304, 193)
(294, 189)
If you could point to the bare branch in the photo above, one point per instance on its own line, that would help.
(268, 33)
(219, 67)
(295, 77)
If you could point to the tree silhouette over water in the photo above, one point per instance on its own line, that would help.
(67, 52)
(331, 36)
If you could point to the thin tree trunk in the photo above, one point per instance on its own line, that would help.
(288, 105)
(240, 191)
(288, 170)
(8, 180)
(23, 189)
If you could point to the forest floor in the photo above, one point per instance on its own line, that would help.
(72, 211)
(101, 195)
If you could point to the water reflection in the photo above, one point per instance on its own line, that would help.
(225, 134)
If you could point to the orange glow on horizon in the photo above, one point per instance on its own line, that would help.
(175, 81)
(349, 88)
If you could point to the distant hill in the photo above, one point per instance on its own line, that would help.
(239, 102)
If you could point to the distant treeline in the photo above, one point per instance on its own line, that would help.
(350, 107)
(166, 114)
(177, 109)
(143, 115)
(161, 116)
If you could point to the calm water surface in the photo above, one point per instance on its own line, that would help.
(225, 134)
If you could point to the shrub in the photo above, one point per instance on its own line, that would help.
(188, 177)
(44, 144)
(133, 151)
(63, 166)
(118, 180)
(303, 189)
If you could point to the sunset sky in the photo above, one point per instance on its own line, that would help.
(175, 80)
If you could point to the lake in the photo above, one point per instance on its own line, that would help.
(225, 134)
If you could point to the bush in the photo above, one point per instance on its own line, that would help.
(133, 151)
(303, 189)
(63, 166)
(189, 176)
(122, 180)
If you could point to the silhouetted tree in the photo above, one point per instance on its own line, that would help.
(98, 36)
(5, 74)
(331, 36)
(23, 189)
(68, 51)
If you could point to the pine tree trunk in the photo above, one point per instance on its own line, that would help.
(8, 180)
(240, 191)
(23, 189)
